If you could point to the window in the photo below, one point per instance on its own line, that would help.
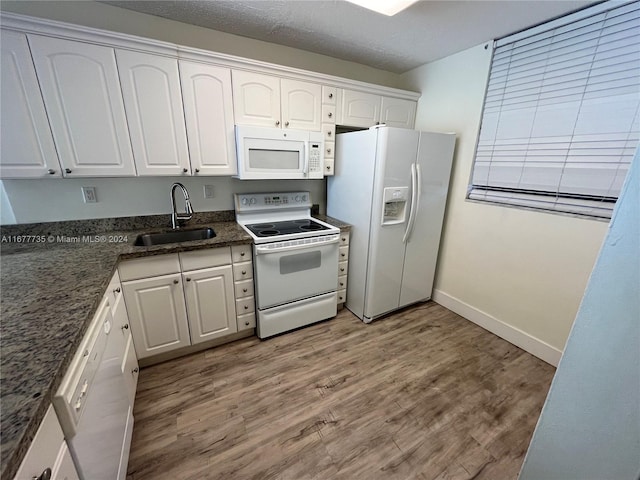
(561, 118)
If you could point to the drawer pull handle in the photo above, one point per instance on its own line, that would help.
(184, 170)
(330, 115)
(135, 370)
(242, 254)
(277, 123)
(197, 170)
(176, 282)
(246, 307)
(51, 171)
(244, 290)
(342, 269)
(188, 279)
(244, 272)
(286, 124)
(329, 133)
(246, 323)
(116, 290)
(125, 326)
(68, 170)
(343, 254)
(45, 475)
(331, 95)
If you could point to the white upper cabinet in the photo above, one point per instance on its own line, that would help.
(27, 148)
(82, 95)
(208, 112)
(397, 112)
(268, 101)
(153, 103)
(256, 99)
(359, 109)
(301, 104)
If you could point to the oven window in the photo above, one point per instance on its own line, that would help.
(300, 262)
(273, 159)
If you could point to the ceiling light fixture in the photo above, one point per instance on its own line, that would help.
(386, 7)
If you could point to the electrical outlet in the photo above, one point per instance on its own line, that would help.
(89, 195)
(208, 191)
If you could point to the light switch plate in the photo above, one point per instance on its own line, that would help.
(208, 191)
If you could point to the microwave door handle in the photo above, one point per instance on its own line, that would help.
(305, 160)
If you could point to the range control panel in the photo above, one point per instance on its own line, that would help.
(268, 201)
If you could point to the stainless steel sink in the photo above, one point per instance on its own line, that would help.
(173, 236)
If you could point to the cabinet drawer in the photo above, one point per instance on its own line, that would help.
(344, 254)
(328, 113)
(329, 130)
(242, 271)
(342, 282)
(44, 449)
(244, 288)
(329, 148)
(343, 267)
(329, 95)
(240, 253)
(344, 238)
(247, 321)
(245, 305)
(114, 290)
(149, 267)
(329, 166)
(130, 370)
(342, 296)
(210, 257)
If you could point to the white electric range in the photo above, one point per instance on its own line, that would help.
(295, 260)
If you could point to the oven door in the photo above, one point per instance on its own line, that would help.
(297, 269)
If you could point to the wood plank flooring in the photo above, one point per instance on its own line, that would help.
(422, 394)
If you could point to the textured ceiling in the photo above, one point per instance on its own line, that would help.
(426, 31)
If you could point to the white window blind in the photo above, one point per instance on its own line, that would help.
(561, 118)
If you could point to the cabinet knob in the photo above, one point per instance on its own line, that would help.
(125, 326)
(286, 124)
(331, 95)
(116, 290)
(246, 307)
(176, 282)
(244, 272)
(341, 284)
(330, 115)
(68, 170)
(185, 170)
(197, 170)
(342, 269)
(244, 290)
(242, 254)
(328, 167)
(51, 171)
(45, 475)
(246, 323)
(328, 150)
(377, 123)
(277, 123)
(135, 370)
(343, 255)
(188, 279)
(329, 133)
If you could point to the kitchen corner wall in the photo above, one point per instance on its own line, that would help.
(518, 273)
(51, 200)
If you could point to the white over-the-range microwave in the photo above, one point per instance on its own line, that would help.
(275, 153)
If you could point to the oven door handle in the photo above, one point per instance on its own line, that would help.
(266, 250)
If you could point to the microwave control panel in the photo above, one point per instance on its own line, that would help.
(316, 158)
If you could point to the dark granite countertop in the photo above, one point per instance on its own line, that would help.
(49, 294)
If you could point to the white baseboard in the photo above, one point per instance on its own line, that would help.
(511, 334)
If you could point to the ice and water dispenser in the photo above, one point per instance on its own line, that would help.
(395, 205)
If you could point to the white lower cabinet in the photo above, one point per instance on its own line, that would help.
(343, 267)
(48, 450)
(183, 299)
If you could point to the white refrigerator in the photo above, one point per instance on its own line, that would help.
(391, 185)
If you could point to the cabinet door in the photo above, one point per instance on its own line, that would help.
(153, 102)
(301, 105)
(256, 99)
(27, 148)
(82, 95)
(397, 112)
(64, 468)
(157, 314)
(359, 109)
(210, 303)
(208, 112)
(130, 370)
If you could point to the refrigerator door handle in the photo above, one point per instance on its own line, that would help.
(415, 186)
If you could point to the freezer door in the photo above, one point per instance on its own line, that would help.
(435, 155)
(396, 151)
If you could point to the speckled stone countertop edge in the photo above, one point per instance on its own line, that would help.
(12, 460)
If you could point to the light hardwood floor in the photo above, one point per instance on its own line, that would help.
(421, 394)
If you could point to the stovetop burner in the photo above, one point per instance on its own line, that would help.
(285, 228)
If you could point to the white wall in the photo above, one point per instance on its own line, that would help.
(51, 200)
(518, 273)
(590, 423)
(108, 17)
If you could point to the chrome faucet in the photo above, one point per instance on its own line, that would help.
(188, 210)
